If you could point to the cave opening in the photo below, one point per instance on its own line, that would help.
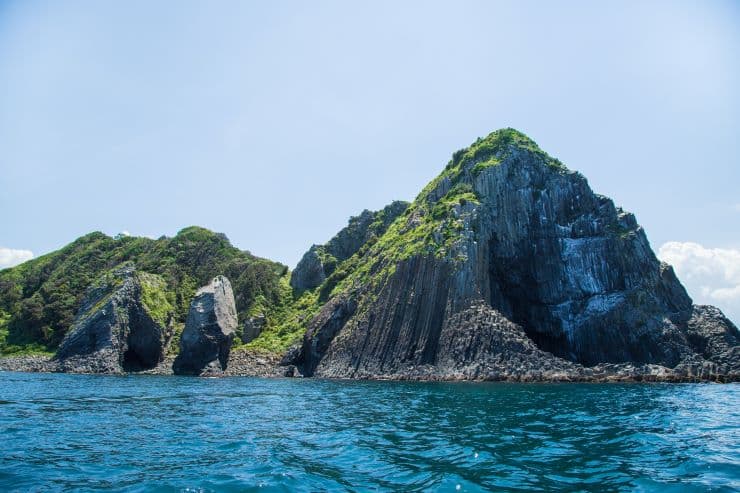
(141, 355)
(134, 362)
(513, 290)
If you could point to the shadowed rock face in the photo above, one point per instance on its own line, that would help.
(209, 331)
(114, 331)
(253, 327)
(509, 265)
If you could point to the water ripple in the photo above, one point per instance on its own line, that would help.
(72, 432)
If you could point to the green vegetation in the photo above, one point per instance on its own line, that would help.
(174, 347)
(426, 230)
(361, 230)
(496, 147)
(481, 166)
(40, 298)
(288, 320)
(328, 260)
(157, 299)
(15, 350)
(486, 153)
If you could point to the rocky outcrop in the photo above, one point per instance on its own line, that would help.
(117, 329)
(320, 334)
(209, 331)
(509, 266)
(253, 327)
(319, 261)
(309, 272)
(714, 340)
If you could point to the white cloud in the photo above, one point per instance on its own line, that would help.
(736, 207)
(711, 275)
(10, 257)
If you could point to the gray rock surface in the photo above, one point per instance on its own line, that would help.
(253, 327)
(320, 334)
(209, 331)
(319, 261)
(114, 331)
(309, 272)
(528, 275)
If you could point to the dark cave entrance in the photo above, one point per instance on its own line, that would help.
(512, 288)
(534, 317)
(548, 342)
(135, 362)
(144, 344)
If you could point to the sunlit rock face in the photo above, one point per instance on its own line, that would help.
(209, 331)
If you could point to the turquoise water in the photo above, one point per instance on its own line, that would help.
(147, 433)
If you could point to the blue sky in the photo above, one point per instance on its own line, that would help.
(273, 122)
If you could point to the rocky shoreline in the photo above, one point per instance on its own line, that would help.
(245, 363)
(241, 363)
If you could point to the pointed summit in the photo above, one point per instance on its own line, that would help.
(507, 265)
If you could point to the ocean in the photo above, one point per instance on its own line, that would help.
(155, 433)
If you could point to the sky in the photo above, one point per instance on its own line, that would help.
(273, 122)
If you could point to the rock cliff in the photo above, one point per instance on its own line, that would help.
(320, 261)
(508, 265)
(121, 325)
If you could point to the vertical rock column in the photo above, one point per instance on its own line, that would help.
(209, 331)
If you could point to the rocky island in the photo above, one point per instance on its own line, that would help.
(507, 266)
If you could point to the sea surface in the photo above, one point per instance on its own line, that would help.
(149, 433)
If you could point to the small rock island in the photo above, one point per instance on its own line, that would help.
(507, 266)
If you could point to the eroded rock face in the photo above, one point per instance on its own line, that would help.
(320, 260)
(309, 272)
(253, 327)
(209, 331)
(714, 340)
(115, 331)
(508, 264)
(320, 334)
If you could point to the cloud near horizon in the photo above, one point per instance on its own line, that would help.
(10, 257)
(710, 275)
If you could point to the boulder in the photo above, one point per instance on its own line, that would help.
(209, 331)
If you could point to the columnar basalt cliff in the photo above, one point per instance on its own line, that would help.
(507, 266)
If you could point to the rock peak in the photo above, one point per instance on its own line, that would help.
(507, 259)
